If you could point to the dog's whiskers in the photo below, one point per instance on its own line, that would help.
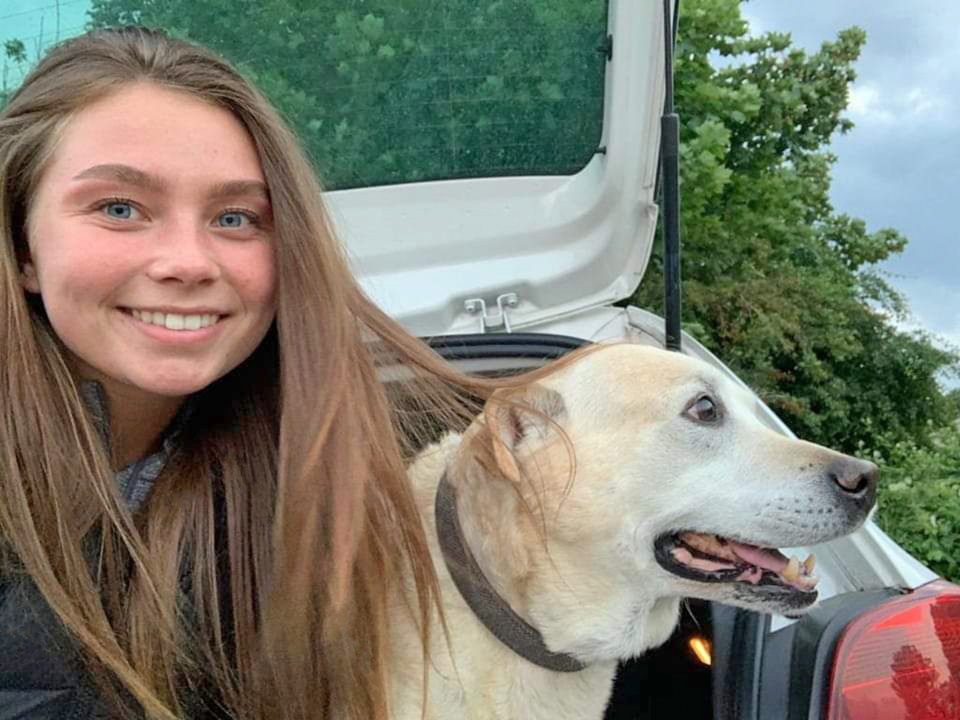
(685, 604)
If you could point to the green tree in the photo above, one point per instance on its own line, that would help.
(14, 57)
(776, 282)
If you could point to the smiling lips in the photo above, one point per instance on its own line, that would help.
(175, 321)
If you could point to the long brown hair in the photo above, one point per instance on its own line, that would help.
(259, 571)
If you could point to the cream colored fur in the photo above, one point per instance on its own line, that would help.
(644, 467)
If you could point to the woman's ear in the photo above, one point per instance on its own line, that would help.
(28, 271)
(28, 277)
(21, 226)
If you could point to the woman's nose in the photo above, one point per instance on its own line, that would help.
(184, 254)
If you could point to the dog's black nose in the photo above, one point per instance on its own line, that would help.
(856, 478)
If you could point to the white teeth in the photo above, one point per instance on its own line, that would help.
(809, 564)
(792, 571)
(175, 321)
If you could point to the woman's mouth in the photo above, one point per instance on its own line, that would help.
(175, 321)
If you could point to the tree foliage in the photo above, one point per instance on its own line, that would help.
(920, 499)
(776, 282)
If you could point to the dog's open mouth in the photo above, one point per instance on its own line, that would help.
(714, 559)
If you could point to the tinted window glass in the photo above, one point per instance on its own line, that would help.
(385, 91)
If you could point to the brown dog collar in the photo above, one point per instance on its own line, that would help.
(491, 610)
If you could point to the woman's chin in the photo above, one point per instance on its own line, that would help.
(175, 388)
(159, 386)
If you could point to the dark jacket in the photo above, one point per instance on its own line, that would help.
(41, 676)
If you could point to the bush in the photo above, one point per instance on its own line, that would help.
(919, 500)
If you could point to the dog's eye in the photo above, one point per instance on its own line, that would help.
(704, 410)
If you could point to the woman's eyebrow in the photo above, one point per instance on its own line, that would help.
(123, 174)
(233, 188)
(128, 175)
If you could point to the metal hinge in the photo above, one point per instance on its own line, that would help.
(493, 320)
(606, 47)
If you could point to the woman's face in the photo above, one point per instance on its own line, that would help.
(150, 242)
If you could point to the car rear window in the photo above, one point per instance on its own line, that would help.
(387, 91)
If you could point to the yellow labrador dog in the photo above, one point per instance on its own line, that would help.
(553, 570)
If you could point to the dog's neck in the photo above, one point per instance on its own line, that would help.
(490, 607)
(503, 538)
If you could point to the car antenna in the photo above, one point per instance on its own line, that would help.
(670, 186)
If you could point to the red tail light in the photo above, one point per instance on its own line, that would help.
(901, 660)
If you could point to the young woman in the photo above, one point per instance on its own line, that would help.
(203, 504)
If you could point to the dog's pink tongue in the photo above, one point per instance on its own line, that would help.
(772, 560)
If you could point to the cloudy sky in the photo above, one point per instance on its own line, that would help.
(900, 166)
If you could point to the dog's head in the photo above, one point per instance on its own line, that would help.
(678, 486)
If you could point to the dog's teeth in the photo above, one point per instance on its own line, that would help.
(809, 564)
(792, 571)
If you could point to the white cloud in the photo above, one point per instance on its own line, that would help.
(756, 27)
(869, 104)
(864, 104)
(934, 307)
(921, 101)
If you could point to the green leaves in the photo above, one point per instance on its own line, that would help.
(15, 53)
(919, 501)
(849, 239)
(371, 27)
(15, 50)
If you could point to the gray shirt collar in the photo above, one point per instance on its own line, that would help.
(136, 479)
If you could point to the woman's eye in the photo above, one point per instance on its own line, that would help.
(235, 219)
(118, 210)
(704, 410)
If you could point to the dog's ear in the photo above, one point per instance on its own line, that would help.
(512, 417)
